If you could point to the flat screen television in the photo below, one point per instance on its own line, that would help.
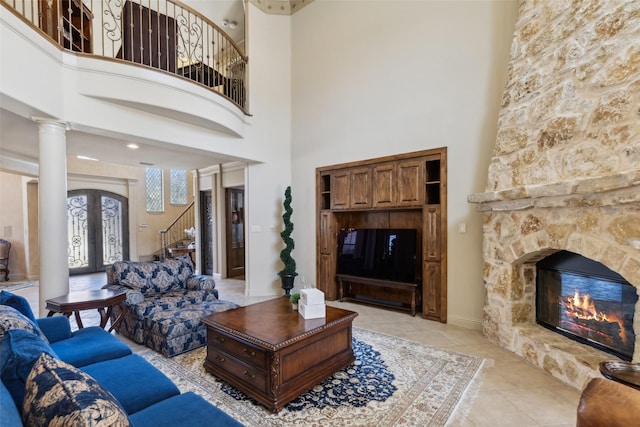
(387, 254)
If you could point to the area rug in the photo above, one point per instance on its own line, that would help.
(393, 382)
(14, 286)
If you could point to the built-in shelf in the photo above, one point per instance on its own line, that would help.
(432, 182)
(68, 22)
(400, 191)
(325, 191)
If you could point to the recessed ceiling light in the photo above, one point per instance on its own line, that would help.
(87, 158)
(133, 146)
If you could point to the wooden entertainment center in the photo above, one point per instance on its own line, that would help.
(401, 191)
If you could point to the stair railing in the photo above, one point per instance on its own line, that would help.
(162, 34)
(176, 233)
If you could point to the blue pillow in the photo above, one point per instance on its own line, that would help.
(10, 319)
(18, 302)
(19, 351)
(61, 394)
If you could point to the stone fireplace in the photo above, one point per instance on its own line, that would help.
(587, 302)
(565, 170)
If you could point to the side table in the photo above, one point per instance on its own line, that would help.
(74, 302)
(623, 372)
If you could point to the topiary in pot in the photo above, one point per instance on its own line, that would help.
(288, 273)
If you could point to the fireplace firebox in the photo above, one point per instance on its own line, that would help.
(586, 301)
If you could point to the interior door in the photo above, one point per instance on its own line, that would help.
(98, 230)
(235, 232)
(149, 37)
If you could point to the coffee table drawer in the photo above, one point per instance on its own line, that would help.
(237, 369)
(237, 349)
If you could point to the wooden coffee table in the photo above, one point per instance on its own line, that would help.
(272, 354)
(74, 302)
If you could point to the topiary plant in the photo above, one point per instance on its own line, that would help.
(289, 244)
(294, 298)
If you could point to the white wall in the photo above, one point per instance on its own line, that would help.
(269, 50)
(374, 78)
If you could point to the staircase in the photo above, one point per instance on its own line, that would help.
(175, 239)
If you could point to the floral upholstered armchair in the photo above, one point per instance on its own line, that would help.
(5, 247)
(164, 304)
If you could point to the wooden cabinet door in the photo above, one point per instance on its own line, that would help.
(431, 292)
(340, 182)
(410, 181)
(360, 188)
(384, 193)
(326, 235)
(326, 255)
(327, 276)
(431, 233)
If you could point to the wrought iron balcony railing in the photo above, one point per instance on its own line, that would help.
(162, 34)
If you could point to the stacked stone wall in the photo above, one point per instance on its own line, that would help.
(565, 171)
(571, 108)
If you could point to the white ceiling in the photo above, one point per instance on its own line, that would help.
(19, 139)
(220, 10)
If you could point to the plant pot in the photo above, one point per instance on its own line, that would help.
(294, 307)
(287, 282)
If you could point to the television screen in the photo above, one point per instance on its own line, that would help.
(387, 254)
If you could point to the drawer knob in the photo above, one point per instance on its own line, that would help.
(219, 358)
(249, 353)
(248, 374)
(218, 339)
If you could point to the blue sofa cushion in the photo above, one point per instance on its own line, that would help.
(19, 351)
(18, 302)
(90, 345)
(62, 395)
(119, 377)
(10, 318)
(9, 414)
(185, 409)
(56, 328)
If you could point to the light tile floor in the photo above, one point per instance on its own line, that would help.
(512, 392)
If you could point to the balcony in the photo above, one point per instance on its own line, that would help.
(164, 35)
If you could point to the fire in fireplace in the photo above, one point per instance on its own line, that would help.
(586, 301)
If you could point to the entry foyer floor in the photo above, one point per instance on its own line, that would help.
(511, 392)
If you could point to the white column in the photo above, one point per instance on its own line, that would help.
(52, 211)
(195, 180)
(134, 227)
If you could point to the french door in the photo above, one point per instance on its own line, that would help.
(98, 230)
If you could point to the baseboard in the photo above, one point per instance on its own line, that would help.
(465, 322)
(15, 277)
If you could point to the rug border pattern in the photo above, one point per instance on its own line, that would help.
(427, 377)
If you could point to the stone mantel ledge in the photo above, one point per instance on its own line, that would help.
(610, 190)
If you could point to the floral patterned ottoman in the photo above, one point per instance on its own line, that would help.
(175, 331)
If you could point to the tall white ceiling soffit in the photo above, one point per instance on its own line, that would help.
(280, 7)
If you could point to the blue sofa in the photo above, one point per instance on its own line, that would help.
(86, 377)
(165, 301)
